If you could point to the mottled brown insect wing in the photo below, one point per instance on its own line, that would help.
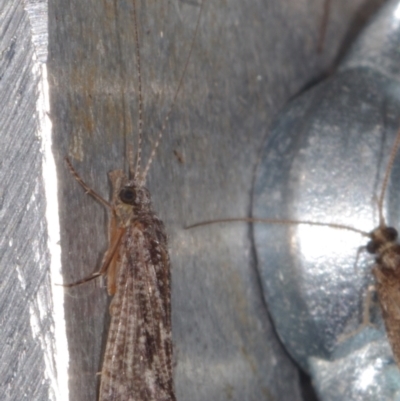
(388, 289)
(137, 362)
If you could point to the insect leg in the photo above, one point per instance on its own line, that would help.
(86, 187)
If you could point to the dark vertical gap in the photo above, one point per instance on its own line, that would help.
(307, 389)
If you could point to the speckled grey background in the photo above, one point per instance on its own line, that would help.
(248, 60)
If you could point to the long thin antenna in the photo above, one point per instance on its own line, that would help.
(166, 118)
(324, 25)
(389, 167)
(122, 72)
(140, 99)
(279, 221)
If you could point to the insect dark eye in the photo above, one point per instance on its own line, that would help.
(391, 233)
(127, 195)
(372, 247)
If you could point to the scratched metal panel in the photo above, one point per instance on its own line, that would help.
(27, 367)
(248, 60)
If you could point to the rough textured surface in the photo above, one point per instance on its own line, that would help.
(249, 59)
(26, 336)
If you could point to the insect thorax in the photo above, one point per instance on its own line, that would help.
(384, 245)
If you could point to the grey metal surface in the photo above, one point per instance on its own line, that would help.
(249, 59)
(324, 162)
(27, 343)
